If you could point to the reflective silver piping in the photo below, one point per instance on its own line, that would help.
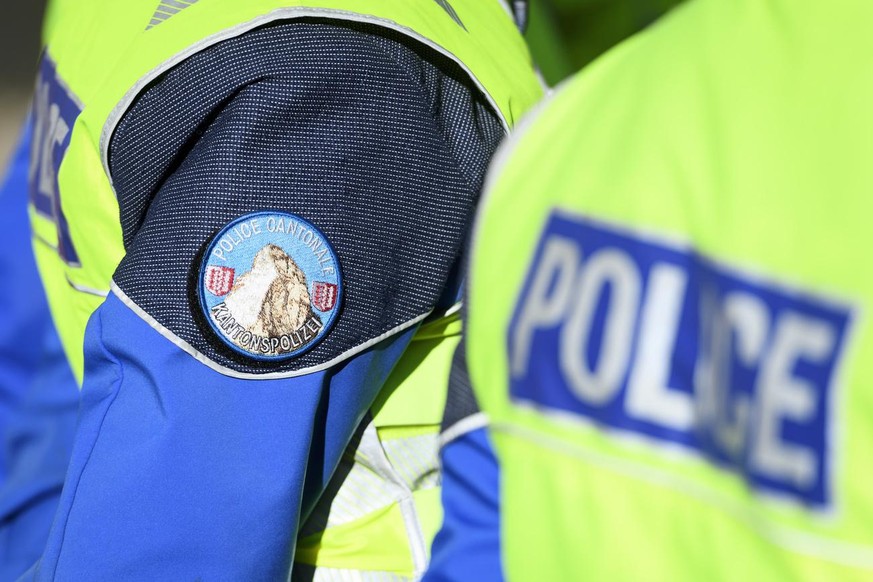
(462, 427)
(45, 242)
(453, 309)
(56, 249)
(86, 289)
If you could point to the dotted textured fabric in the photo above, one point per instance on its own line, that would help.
(379, 142)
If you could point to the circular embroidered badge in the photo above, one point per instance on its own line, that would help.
(270, 285)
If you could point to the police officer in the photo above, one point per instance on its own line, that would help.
(257, 210)
(666, 330)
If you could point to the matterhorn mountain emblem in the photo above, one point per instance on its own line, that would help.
(271, 299)
(270, 285)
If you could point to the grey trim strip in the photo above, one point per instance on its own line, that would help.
(289, 13)
(453, 309)
(371, 446)
(40, 239)
(86, 289)
(76, 286)
(462, 427)
(166, 9)
(437, 315)
(177, 3)
(203, 359)
(74, 265)
(444, 4)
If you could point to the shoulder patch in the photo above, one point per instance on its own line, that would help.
(270, 285)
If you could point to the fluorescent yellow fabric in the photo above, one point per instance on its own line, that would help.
(343, 547)
(348, 549)
(739, 131)
(425, 362)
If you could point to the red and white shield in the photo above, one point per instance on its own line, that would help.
(219, 280)
(324, 296)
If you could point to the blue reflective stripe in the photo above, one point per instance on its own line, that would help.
(55, 112)
(654, 339)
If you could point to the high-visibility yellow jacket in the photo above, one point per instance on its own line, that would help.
(668, 305)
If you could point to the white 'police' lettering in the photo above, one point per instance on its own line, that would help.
(785, 396)
(655, 340)
(649, 395)
(600, 382)
(235, 237)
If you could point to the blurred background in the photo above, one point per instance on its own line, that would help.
(19, 43)
(564, 36)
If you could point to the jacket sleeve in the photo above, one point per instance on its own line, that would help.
(195, 461)
(38, 395)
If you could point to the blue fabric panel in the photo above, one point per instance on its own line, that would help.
(181, 473)
(468, 545)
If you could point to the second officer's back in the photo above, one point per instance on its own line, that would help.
(668, 324)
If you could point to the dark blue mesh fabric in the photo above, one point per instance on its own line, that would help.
(377, 141)
(461, 400)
